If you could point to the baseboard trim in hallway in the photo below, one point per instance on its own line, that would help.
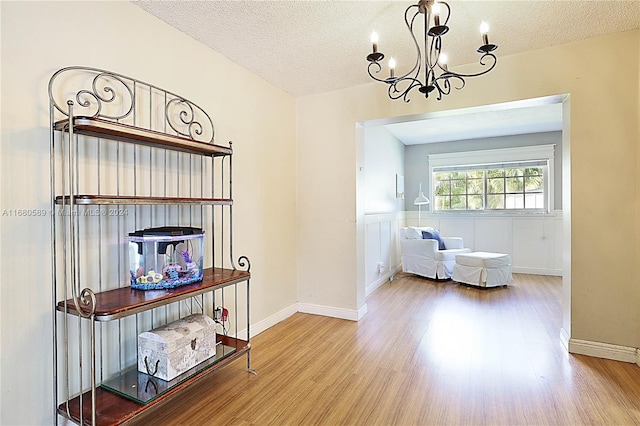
(603, 350)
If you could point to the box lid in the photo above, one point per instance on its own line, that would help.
(178, 334)
(167, 231)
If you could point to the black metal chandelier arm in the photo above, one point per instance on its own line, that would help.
(481, 62)
(389, 80)
(414, 72)
(446, 81)
(445, 4)
(376, 71)
(443, 85)
(412, 75)
(413, 37)
(442, 90)
(432, 55)
(397, 93)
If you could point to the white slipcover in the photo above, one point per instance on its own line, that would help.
(483, 269)
(422, 257)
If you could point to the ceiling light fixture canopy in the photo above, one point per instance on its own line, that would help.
(437, 76)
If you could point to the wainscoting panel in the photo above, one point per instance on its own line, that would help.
(372, 252)
(493, 235)
(386, 251)
(534, 253)
(382, 251)
(533, 242)
(556, 254)
(456, 227)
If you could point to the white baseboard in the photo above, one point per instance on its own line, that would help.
(380, 281)
(604, 350)
(307, 308)
(377, 283)
(270, 321)
(362, 311)
(330, 311)
(536, 271)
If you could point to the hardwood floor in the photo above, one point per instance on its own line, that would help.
(427, 353)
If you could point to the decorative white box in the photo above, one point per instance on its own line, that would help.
(170, 350)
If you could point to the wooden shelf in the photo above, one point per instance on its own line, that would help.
(100, 128)
(85, 199)
(125, 301)
(113, 409)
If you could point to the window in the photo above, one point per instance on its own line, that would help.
(491, 188)
(521, 184)
(459, 190)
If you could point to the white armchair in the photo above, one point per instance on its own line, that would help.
(422, 256)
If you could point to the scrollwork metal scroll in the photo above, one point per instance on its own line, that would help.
(112, 96)
(243, 261)
(85, 303)
(186, 111)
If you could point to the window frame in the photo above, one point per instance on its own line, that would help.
(492, 157)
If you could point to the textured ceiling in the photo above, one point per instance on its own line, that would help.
(307, 47)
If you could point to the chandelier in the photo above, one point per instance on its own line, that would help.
(431, 62)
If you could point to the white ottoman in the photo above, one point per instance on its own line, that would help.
(483, 269)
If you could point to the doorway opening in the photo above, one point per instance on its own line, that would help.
(395, 151)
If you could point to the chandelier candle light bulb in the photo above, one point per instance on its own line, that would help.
(486, 47)
(435, 9)
(392, 67)
(374, 56)
(443, 61)
(484, 30)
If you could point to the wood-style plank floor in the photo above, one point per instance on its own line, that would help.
(426, 353)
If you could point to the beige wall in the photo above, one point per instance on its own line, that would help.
(327, 163)
(601, 76)
(38, 39)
